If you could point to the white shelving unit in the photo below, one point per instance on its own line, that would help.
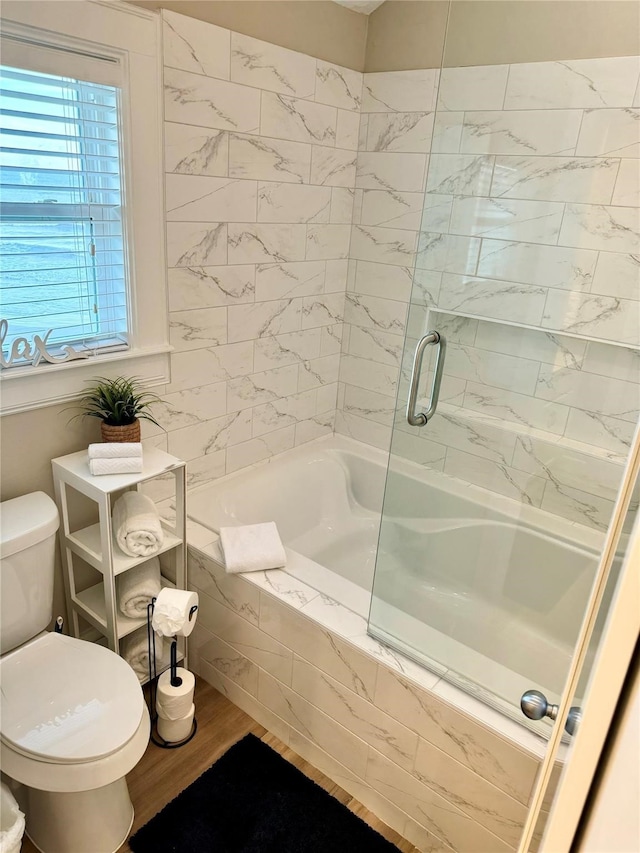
(96, 546)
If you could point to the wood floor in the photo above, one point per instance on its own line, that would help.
(161, 774)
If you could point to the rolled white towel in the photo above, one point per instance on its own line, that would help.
(116, 465)
(134, 648)
(252, 548)
(115, 450)
(136, 525)
(137, 587)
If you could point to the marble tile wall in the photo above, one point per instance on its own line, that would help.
(396, 127)
(308, 204)
(516, 195)
(303, 666)
(260, 150)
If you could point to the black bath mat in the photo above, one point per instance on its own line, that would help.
(253, 801)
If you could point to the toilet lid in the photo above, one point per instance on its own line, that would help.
(67, 701)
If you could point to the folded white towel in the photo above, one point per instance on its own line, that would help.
(252, 548)
(137, 587)
(136, 525)
(134, 648)
(116, 465)
(115, 450)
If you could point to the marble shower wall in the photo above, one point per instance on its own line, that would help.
(260, 149)
(396, 127)
(518, 202)
(511, 209)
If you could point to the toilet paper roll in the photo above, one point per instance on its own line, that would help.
(171, 612)
(172, 703)
(176, 730)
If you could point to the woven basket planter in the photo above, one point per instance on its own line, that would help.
(129, 432)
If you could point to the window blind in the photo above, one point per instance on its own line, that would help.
(62, 252)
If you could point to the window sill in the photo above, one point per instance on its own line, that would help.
(23, 389)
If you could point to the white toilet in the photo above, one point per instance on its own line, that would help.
(73, 720)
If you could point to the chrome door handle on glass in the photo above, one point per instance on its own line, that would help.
(535, 706)
(421, 418)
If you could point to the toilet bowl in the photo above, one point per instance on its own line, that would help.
(73, 720)
(73, 723)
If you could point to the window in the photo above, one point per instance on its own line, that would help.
(81, 199)
(62, 261)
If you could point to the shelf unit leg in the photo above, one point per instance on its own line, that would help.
(60, 490)
(181, 532)
(109, 581)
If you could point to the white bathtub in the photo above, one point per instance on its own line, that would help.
(466, 583)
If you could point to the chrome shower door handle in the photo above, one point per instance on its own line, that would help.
(535, 706)
(421, 418)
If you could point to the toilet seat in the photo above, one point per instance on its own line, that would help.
(67, 701)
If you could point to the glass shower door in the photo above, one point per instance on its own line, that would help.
(496, 507)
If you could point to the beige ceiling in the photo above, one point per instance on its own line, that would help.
(365, 7)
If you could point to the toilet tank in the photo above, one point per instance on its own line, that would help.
(28, 526)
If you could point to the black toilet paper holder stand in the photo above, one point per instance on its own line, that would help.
(175, 680)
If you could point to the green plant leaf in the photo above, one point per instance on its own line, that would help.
(118, 402)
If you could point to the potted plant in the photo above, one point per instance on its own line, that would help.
(120, 404)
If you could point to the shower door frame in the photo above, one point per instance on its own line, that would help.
(606, 678)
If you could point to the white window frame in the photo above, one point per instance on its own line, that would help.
(131, 35)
